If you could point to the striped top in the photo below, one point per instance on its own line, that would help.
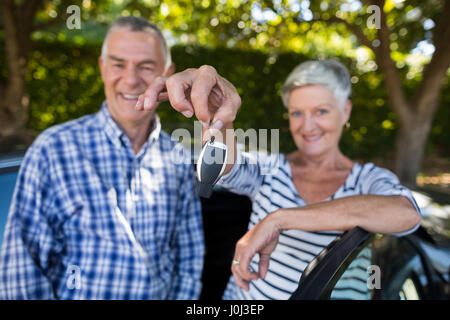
(267, 180)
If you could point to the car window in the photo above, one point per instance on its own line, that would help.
(337, 272)
(402, 273)
(388, 268)
(7, 183)
(354, 282)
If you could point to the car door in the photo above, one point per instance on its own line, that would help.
(359, 265)
(9, 168)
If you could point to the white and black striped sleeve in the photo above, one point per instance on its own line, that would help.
(247, 174)
(380, 181)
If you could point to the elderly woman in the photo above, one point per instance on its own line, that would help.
(310, 195)
(313, 193)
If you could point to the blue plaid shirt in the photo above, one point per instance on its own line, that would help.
(90, 219)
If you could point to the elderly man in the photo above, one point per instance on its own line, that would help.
(101, 210)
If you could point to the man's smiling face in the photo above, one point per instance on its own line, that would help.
(133, 61)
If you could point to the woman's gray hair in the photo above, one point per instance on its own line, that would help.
(139, 24)
(328, 73)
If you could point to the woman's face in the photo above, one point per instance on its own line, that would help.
(315, 119)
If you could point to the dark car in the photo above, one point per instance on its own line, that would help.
(413, 267)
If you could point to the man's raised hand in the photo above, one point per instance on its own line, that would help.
(202, 92)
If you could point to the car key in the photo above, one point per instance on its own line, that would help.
(210, 166)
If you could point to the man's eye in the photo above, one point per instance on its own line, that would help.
(146, 67)
(120, 66)
(322, 111)
(296, 114)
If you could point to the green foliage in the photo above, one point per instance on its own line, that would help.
(64, 83)
(265, 40)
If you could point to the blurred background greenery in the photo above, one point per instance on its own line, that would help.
(254, 44)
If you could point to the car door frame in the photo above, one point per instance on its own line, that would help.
(323, 272)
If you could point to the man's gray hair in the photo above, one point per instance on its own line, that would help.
(328, 73)
(138, 24)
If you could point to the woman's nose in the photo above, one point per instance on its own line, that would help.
(309, 123)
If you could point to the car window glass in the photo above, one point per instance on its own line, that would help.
(402, 271)
(8, 182)
(388, 268)
(354, 282)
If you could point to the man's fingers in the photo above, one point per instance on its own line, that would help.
(163, 96)
(201, 91)
(151, 97)
(178, 89)
(226, 113)
(202, 88)
(140, 103)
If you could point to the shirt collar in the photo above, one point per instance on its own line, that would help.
(116, 135)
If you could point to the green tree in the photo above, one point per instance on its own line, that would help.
(377, 42)
(389, 30)
(20, 22)
(398, 31)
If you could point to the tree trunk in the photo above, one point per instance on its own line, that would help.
(14, 103)
(415, 115)
(410, 148)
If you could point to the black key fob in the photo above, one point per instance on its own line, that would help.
(210, 166)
